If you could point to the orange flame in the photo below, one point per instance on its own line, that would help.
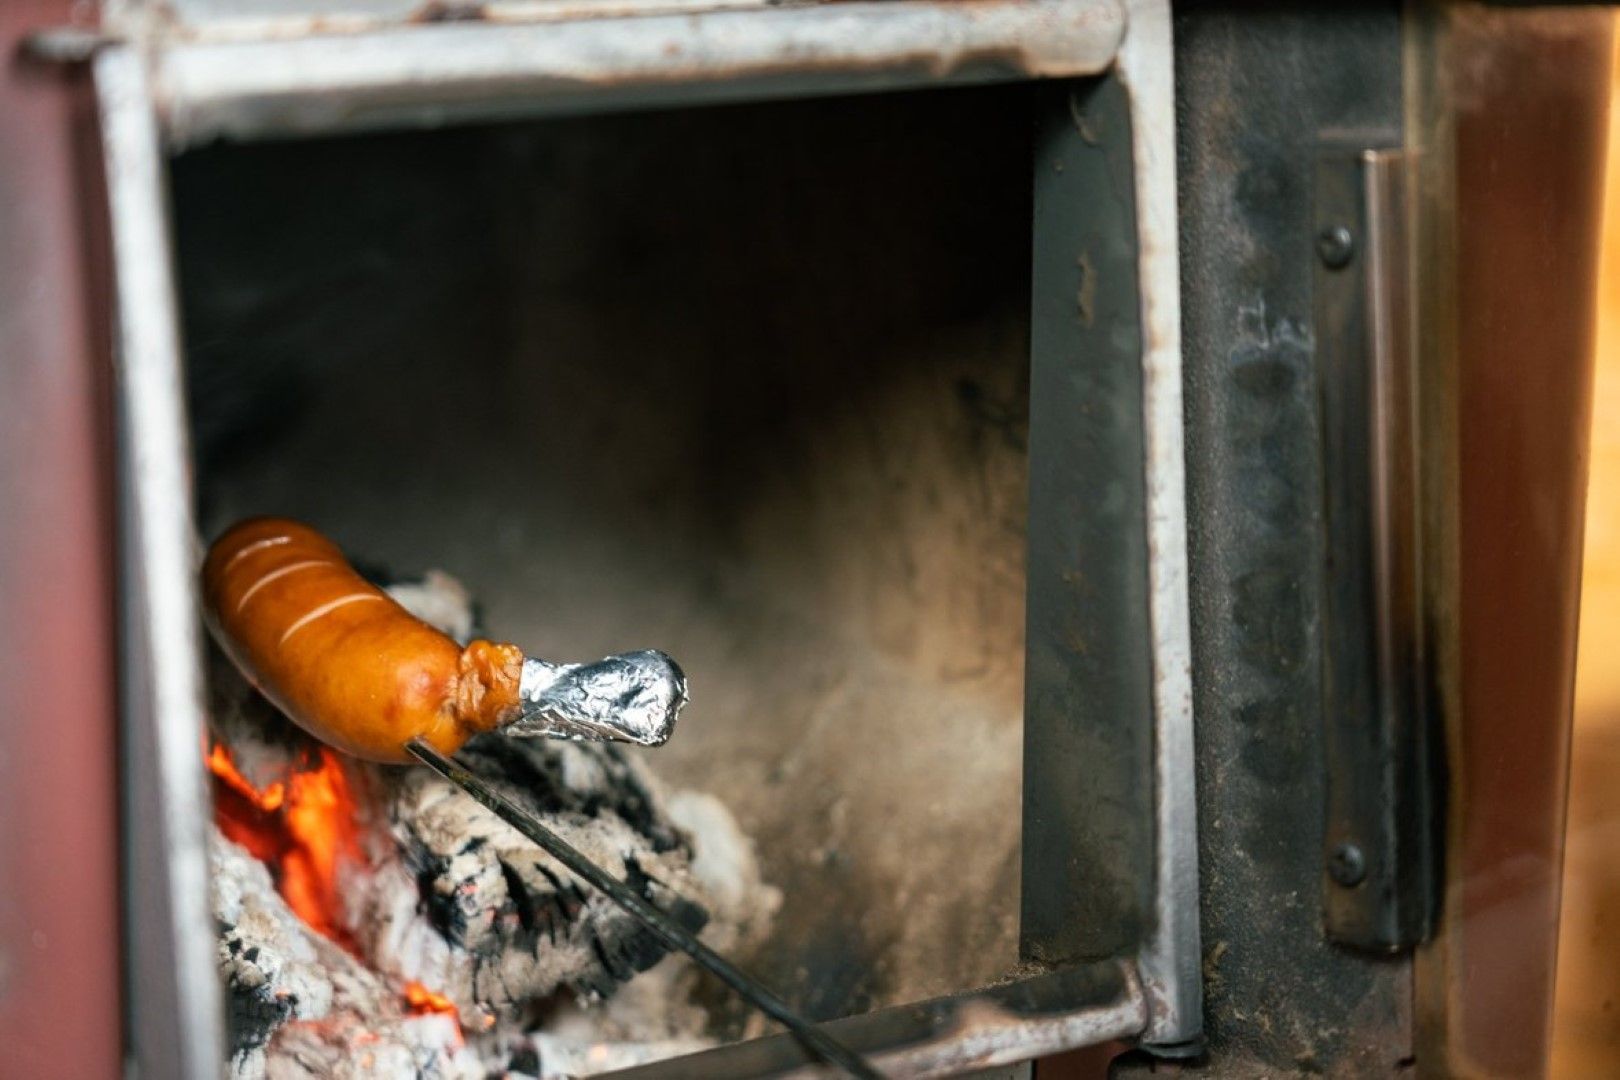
(301, 829)
(221, 765)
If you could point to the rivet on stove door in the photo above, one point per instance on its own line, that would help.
(1336, 246)
(1348, 866)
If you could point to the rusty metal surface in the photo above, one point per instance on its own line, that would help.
(223, 20)
(217, 20)
(59, 933)
(1034, 1017)
(438, 73)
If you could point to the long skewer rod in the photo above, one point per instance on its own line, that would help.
(666, 929)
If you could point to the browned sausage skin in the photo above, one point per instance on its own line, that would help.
(341, 657)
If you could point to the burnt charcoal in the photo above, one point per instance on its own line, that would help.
(437, 906)
(509, 925)
(691, 916)
(620, 787)
(632, 950)
(252, 1016)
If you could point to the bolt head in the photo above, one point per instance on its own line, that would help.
(1336, 246)
(1347, 865)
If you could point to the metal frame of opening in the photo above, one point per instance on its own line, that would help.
(1124, 958)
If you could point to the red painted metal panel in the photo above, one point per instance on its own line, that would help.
(60, 1010)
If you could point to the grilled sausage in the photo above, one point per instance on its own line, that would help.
(339, 656)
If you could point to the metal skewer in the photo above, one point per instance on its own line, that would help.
(662, 926)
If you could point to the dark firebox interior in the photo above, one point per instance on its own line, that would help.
(745, 383)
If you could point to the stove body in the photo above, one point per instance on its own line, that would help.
(1084, 567)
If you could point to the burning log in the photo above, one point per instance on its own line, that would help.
(364, 909)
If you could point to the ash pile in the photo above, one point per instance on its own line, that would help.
(376, 921)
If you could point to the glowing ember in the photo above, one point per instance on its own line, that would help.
(423, 1000)
(301, 829)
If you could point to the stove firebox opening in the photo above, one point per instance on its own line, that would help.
(746, 383)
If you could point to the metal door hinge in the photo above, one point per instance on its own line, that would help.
(1379, 869)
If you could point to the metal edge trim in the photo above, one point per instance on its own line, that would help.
(425, 75)
(980, 1030)
(1170, 962)
(163, 592)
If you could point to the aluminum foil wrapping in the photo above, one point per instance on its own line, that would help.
(634, 697)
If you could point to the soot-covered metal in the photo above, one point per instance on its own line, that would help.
(1258, 87)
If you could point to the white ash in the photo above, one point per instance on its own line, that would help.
(725, 866)
(300, 1006)
(351, 1046)
(559, 1057)
(550, 978)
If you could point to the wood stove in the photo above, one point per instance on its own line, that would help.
(697, 377)
(837, 348)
